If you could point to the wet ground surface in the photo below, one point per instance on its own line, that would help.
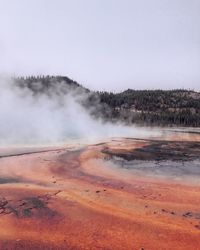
(124, 193)
(160, 150)
(176, 160)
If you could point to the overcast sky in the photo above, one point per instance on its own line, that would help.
(104, 44)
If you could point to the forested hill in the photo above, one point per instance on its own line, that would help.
(150, 107)
(43, 83)
(159, 107)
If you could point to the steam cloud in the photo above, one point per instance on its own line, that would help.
(52, 117)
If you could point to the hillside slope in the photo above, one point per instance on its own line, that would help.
(159, 107)
(147, 107)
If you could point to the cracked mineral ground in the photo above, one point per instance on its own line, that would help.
(122, 193)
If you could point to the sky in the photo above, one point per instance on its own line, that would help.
(103, 44)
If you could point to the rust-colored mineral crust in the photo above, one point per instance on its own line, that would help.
(92, 197)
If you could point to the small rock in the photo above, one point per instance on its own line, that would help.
(197, 226)
(188, 214)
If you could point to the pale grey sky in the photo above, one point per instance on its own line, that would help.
(104, 44)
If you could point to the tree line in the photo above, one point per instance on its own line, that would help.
(150, 107)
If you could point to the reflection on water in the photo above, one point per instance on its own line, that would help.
(174, 170)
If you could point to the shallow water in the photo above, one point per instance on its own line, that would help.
(172, 170)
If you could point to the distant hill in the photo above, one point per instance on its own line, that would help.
(42, 83)
(150, 107)
(155, 107)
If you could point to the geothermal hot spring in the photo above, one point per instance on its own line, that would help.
(68, 181)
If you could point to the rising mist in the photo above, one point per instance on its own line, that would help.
(52, 116)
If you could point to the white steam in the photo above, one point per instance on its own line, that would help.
(55, 117)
